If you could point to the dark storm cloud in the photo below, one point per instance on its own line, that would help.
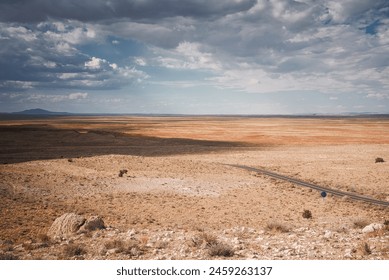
(94, 10)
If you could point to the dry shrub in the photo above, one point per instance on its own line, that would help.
(376, 233)
(277, 227)
(8, 256)
(203, 237)
(143, 240)
(361, 223)
(122, 172)
(133, 249)
(43, 238)
(221, 250)
(161, 244)
(307, 214)
(115, 244)
(364, 249)
(379, 159)
(73, 250)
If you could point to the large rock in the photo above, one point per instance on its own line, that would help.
(65, 226)
(372, 228)
(92, 223)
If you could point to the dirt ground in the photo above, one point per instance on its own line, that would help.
(179, 198)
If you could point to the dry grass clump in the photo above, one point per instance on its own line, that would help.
(307, 214)
(204, 238)
(364, 249)
(122, 172)
(116, 244)
(361, 223)
(73, 250)
(379, 159)
(133, 248)
(221, 250)
(277, 227)
(214, 246)
(8, 256)
(43, 238)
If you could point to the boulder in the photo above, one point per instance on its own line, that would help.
(65, 226)
(372, 228)
(92, 223)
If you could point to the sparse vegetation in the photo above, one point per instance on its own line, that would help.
(364, 249)
(73, 250)
(143, 240)
(115, 244)
(307, 214)
(221, 250)
(8, 256)
(122, 172)
(277, 227)
(131, 248)
(379, 159)
(203, 237)
(360, 223)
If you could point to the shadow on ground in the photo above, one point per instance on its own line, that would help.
(36, 142)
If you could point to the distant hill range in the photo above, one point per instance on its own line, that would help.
(39, 111)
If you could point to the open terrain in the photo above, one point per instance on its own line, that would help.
(177, 197)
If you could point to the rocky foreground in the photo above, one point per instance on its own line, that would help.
(73, 237)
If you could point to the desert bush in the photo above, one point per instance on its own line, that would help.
(122, 172)
(364, 249)
(133, 249)
(43, 238)
(115, 244)
(8, 256)
(277, 227)
(379, 159)
(221, 250)
(360, 223)
(203, 237)
(307, 214)
(73, 250)
(143, 240)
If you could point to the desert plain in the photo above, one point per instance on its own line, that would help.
(164, 187)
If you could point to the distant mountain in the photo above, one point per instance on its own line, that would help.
(39, 111)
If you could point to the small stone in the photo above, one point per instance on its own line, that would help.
(372, 227)
(327, 234)
(348, 253)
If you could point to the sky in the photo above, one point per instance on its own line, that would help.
(195, 56)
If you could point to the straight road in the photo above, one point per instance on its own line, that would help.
(312, 186)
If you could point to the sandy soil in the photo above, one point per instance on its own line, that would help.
(179, 198)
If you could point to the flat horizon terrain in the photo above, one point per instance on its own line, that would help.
(180, 199)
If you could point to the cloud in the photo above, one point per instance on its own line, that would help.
(41, 10)
(250, 46)
(187, 55)
(48, 55)
(95, 63)
(78, 95)
(379, 96)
